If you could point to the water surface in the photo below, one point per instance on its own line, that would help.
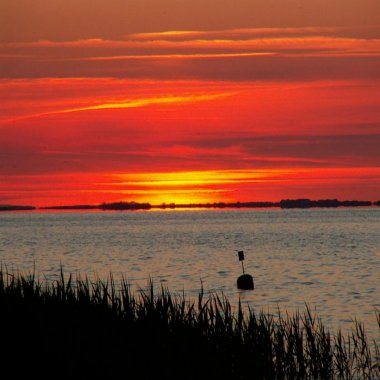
(329, 259)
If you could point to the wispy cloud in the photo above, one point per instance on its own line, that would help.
(136, 103)
(237, 54)
(177, 56)
(129, 103)
(247, 33)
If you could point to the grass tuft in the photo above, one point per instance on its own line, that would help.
(73, 328)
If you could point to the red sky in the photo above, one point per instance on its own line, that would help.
(190, 101)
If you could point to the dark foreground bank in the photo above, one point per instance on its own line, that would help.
(77, 329)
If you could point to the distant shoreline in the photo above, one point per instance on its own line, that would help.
(131, 206)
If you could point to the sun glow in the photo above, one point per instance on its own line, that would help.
(198, 178)
(192, 186)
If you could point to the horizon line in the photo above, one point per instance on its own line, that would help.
(130, 205)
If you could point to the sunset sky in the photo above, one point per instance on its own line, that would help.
(188, 100)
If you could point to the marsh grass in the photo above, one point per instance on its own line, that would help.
(77, 328)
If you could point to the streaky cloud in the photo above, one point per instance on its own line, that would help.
(130, 103)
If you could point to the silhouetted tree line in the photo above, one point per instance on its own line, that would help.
(73, 207)
(15, 208)
(284, 204)
(219, 205)
(125, 206)
(307, 203)
(104, 206)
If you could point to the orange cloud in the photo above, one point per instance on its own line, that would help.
(280, 42)
(129, 103)
(369, 31)
(240, 54)
(24, 21)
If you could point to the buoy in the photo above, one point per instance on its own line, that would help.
(245, 281)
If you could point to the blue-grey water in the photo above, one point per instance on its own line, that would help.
(329, 259)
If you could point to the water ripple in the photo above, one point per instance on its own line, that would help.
(329, 259)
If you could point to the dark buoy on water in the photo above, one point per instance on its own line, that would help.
(245, 281)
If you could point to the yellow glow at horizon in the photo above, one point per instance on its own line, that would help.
(177, 196)
(197, 178)
(190, 187)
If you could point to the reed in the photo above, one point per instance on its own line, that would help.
(73, 328)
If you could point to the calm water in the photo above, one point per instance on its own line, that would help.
(327, 258)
